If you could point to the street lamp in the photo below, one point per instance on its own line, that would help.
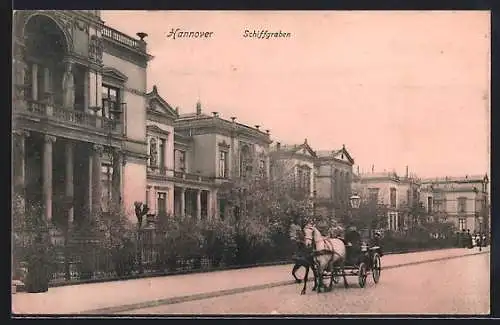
(355, 201)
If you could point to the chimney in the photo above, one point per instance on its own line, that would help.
(177, 110)
(198, 108)
(268, 132)
(215, 114)
(407, 172)
(257, 127)
(278, 145)
(233, 119)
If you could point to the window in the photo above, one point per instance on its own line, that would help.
(479, 203)
(147, 197)
(180, 160)
(245, 162)
(462, 204)
(106, 181)
(110, 101)
(437, 205)
(222, 164)
(262, 168)
(162, 152)
(153, 152)
(162, 202)
(462, 224)
(429, 204)
(373, 194)
(393, 197)
(307, 180)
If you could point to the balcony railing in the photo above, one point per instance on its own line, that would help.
(72, 116)
(156, 170)
(122, 38)
(192, 177)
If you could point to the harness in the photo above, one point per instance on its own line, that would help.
(323, 251)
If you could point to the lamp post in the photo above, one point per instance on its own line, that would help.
(355, 201)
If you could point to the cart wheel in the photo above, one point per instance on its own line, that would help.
(335, 277)
(376, 268)
(362, 274)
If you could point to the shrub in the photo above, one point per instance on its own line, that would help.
(253, 238)
(220, 243)
(181, 237)
(32, 244)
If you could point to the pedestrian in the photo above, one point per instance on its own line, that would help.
(469, 239)
(463, 239)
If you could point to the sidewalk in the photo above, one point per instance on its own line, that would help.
(110, 297)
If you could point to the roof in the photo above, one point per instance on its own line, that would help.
(335, 154)
(164, 108)
(285, 148)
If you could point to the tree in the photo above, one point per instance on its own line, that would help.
(263, 209)
(32, 244)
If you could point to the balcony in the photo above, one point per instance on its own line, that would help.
(191, 177)
(68, 116)
(159, 171)
(123, 39)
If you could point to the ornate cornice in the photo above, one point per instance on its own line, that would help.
(114, 74)
(217, 125)
(156, 129)
(120, 51)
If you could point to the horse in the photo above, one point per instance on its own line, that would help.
(302, 259)
(307, 263)
(327, 254)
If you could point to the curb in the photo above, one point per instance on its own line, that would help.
(20, 286)
(215, 294)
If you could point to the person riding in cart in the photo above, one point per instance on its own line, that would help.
(352, 239)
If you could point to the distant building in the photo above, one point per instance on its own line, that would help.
(388, 189)
(218, 151)
(294, 164)
(333, 182)
(461, 200)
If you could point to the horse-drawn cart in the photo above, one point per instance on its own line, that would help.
(368, 262)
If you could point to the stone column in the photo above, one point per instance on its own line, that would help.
(183, 201)
(96, 178)
(47, 175)
(90, 182)
(69, 190)
(215, 204)
(86, 90)
(210, 212)
(20, 162)
(34, 82)
(198, 204)
(47, 84)
(116, 178)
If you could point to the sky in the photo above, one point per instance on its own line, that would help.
(397, 88)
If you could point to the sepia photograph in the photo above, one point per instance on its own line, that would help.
(250, 163)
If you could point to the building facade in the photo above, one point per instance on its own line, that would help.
(334, 177)
(193, 155)
(295, 164)
(397, 194)
(461, 200)
(79, 117)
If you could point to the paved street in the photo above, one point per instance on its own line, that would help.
(111, 297)
(454, 286)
